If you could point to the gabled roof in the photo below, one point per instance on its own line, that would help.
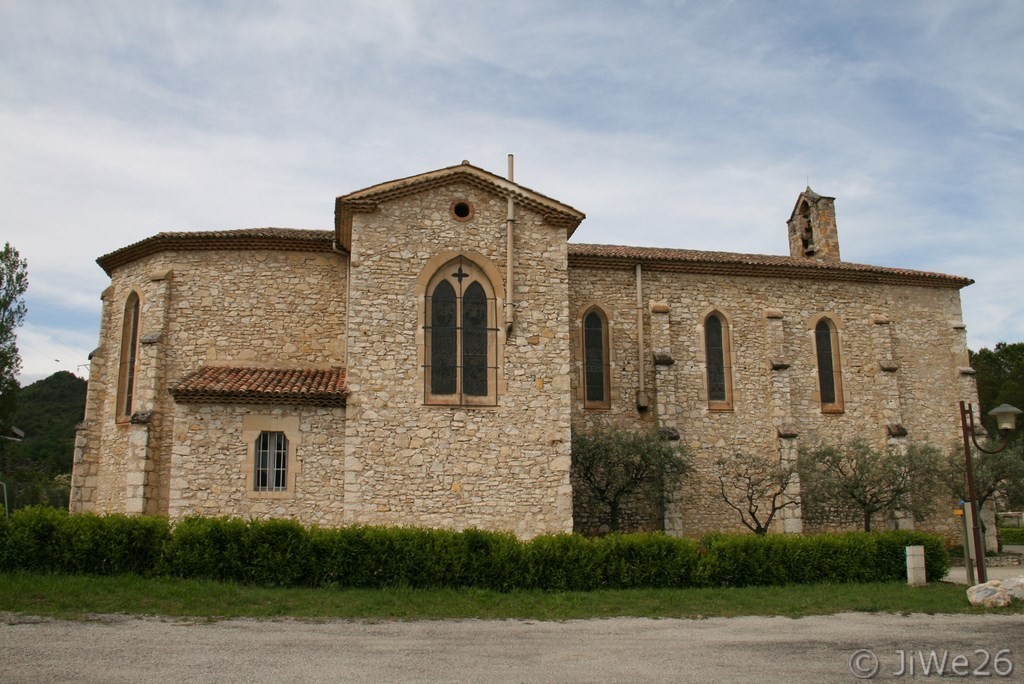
(287, 386)
(554, 212)
(731, 263)
(281, 239)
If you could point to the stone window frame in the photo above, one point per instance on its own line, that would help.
(608, 352)
(128, 360)
(728, 359)
(253, 425)
(481, 270)
(834, 326)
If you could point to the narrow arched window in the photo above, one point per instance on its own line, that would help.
(830, 379)
(717, 361)
(129, 355)
(443, 346)
(596, 376)
(460, 337)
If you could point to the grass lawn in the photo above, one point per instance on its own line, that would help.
(80, 596)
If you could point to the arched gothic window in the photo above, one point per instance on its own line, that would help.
(129, 354)
(717, 357)
(830, 376)
(460, 337)
(596, 375)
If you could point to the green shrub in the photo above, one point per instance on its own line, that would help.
(34, 540)
(207, 548)
(1012, 535)
(113, 544)
(284, 553)
(646, 560)
(563, 562)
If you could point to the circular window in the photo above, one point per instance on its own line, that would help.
(462, 210)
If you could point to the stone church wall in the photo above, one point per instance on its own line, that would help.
(229, 308)
(913, 332)
(212, 463)
(499, 467)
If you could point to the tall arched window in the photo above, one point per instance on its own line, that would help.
(596, 375)
(460, 337)
(717, 357)
(129, 354)
(830, 376)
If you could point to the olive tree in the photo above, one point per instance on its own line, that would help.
(755, 487)
(847, 483)
(615, 465)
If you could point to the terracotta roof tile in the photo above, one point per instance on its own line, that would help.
(289, 386)
(731, 263)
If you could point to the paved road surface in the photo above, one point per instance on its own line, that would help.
(814, 649)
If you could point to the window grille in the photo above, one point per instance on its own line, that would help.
(271, 462)
(461, 338)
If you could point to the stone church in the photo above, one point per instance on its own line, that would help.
(426, 362)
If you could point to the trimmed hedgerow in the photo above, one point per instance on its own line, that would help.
(1012, 535)
(284, 553)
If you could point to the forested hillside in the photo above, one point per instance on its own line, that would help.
(37, 469)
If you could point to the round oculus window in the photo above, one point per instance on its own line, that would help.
(462, 210)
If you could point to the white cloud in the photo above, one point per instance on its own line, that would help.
(678, 124)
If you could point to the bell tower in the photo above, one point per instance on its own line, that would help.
(812, 228)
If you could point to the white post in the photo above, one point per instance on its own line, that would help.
(916, 576)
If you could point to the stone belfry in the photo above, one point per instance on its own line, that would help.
(812, 227)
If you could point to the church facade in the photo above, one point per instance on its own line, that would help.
(426, 362)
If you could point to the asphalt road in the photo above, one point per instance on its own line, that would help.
(813, 649)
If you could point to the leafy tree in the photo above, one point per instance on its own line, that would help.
(755, 488)
(13, 283)
(1000, 376)
(855, 481)
(616, 465)
(1001, 473)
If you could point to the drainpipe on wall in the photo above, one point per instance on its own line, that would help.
(509, 222)
(346, 260)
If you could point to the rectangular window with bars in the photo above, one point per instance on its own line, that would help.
(271, 462)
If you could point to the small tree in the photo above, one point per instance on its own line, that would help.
(853, 482)
(13, 283)
(614, 465)
(755, 488)
(993, 474)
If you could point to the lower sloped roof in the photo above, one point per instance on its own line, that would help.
(284, 386)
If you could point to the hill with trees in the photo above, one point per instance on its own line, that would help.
(38, 468)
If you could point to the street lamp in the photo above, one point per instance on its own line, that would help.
(1006, 420)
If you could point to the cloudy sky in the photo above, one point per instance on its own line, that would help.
(679, 124)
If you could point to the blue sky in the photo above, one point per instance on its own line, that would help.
(677, 124)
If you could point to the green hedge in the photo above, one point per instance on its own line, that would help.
(283, 553)
(1012, 535)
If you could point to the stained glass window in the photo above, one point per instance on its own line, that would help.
(443, 339)
(594, 358)
(474, 341)
(826, 361)
(714, 348)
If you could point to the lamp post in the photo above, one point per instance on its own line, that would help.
(1006, 420)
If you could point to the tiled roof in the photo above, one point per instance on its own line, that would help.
(731, 263)
(289, 386)
(280, 239)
